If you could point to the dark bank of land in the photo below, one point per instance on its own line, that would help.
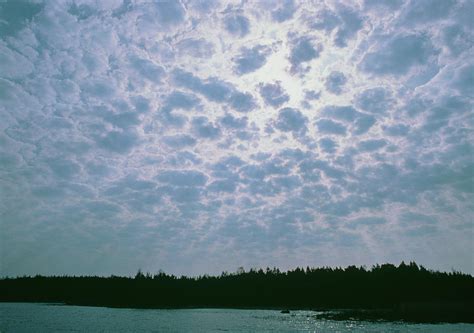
(384, 292)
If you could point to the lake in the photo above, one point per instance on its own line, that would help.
(37, 317)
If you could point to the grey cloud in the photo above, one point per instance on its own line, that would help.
(230, 121)
(180, 178)
(397, 55)
(13, 65)
(383, 4)
(64, 168)
(330, 127)
(226, 167)
(368, 221)
(253, 172)
(344, 113)
(375, 100)
(179, 141)
(227, 185)
(141, 104)
(198, 48)
(177, 100)
(352, 22)
(123, 120)
(99, 88)
(102, 209)
(164, 13)
(396, 130)
(363, 124)
(312, 95)
(131, 182)
(237, 24)
(325, 20)
(347, 21)
(284, 10)
(273, 94)
(303, 50)
(183, 194)
(335, 82)
(291, 120)
(328, 145)
(413, 219)
(118, 141)
(15, 15)
(180, 100)
(360, 122)
(242, 102)
(421, 11)
(214, 90)
(372, 145)
(464, 80)
(205, 129)
(329, 170)
(82, 11)
(184, 159)
(147, 69)
(287, 182)
(249, 60)
(441, 111)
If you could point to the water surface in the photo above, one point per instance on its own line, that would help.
(34, 317)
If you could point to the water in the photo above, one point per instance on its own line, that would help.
(29, 317)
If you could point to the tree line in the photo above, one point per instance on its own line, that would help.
(381, 286)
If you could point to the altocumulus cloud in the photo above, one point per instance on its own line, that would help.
(160, 134)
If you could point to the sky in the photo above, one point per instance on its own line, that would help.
(199, 136)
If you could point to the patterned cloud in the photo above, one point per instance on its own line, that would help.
(200, 136)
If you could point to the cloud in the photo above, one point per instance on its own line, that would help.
(179, 141)
(372, 145)
(398, 54)
(351, 23)
(328, 145)
(273, 94)
(237, 25)
(335, 82)
(180, 178)
(182, 130)
(464, 80)
(230, 121)
(383, 5)
(374, 100)
(13, 65)
(397, 130)
(249, 60)
(284, 11)
(16, 15)
(345, 20)
(360, 122)
(418, 12)
(291, 120)
(303, 50)
(161, 15)
(242, 102)
(147, 69)
(215, 90)
(328, 126)
(121, 142)
(198, 48)
(205, 129)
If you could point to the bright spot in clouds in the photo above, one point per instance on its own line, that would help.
(200, 136)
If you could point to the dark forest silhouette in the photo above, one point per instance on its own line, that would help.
(405, 290)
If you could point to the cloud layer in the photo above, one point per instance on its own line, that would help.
(200, 136)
